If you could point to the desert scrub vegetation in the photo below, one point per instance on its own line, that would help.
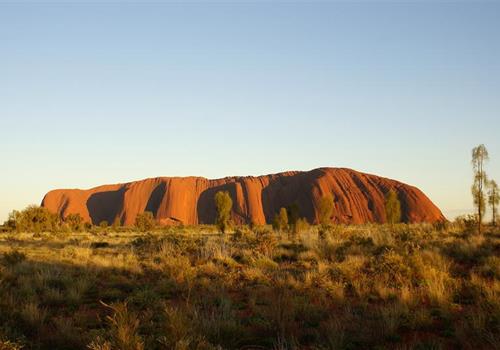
(371, 286)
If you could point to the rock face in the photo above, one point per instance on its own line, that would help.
(358, 198)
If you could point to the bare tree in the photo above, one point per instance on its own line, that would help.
(479, 157)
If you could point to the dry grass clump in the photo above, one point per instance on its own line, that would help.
(9, 345)
(402, 287)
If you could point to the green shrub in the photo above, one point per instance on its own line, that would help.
(103, 224)
(280, 222)
(145, 221)
(74, 221)
(34, 219)
(301, 226)
(466, 222)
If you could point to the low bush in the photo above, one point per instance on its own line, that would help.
(145, 221)
(13, 257)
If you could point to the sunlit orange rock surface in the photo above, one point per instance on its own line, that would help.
(358, 197)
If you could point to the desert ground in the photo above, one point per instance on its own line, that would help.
(401, 286)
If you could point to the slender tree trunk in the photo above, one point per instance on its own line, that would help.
(494, 214)
(480, 195)
(479, 156)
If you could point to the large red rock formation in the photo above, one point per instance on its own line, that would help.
(359, 198)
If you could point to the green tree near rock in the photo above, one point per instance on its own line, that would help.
(325, 212)
(296, 223)
(293, 212)
(223, 206)
(392, 208)
(145, 221)
(280, 222)
(479, 158)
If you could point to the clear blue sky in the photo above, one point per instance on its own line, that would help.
(93, 94)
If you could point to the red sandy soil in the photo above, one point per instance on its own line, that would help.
(359, 198)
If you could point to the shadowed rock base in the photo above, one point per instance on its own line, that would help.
(359, 198)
